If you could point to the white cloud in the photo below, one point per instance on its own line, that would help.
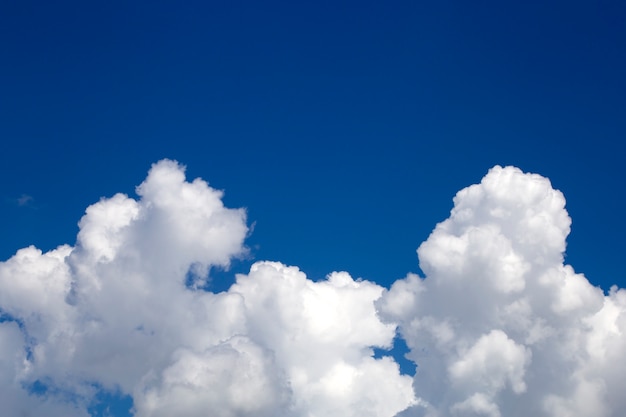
(498, 327)
(117, 311)
(322, 334)
(233, 378)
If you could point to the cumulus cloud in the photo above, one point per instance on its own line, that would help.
(499, 326)
(124, 310)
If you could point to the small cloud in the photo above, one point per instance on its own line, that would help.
(24, 200)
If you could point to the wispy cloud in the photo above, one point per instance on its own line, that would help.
(24, 200)
(498, 327)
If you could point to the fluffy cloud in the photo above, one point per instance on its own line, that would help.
(498, 327)
(123, 310)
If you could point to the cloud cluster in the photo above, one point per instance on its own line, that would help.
(124, 310)
(498, 327)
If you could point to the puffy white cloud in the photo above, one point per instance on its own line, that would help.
(117, 312)
(14, 398)
(322, 334)
(233, 378)
(499, 326)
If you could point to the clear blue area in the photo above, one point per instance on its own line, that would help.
(109, 404)
(345, 128)
(105, 403)
(38, 388)
(398, 351)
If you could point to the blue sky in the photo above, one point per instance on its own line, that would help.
(345, 128)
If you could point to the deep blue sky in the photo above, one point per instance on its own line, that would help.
(345, 129)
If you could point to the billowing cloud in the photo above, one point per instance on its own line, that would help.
(124, 310)
(498, 327)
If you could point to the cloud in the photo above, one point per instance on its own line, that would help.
(499, 326)
(117, 312)
(24, 200)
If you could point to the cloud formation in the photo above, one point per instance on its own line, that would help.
(498, 327)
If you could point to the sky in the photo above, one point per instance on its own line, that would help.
(329, 139)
